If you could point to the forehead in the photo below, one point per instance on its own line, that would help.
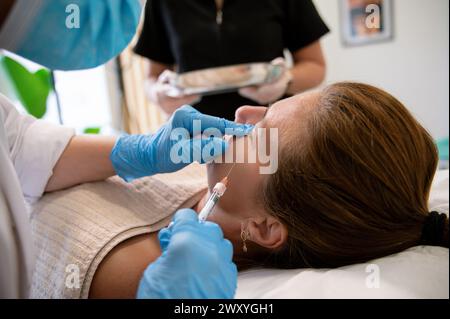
(293, 108)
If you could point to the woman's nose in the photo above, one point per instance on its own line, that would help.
(250, 114)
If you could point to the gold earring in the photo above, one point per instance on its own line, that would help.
(245, 234)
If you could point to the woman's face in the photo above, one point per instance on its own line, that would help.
(245, 179)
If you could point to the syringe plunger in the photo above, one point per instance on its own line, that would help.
(218, 191)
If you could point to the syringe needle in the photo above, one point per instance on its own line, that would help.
(230, 170)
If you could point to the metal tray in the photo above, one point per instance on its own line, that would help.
(223, 79)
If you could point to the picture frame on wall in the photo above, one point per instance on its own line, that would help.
(365, 22)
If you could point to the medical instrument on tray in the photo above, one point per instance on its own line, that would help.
(218, 191)
(222, 79)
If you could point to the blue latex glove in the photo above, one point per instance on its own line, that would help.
(196, 262)
(135, 156)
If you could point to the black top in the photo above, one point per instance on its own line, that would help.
(190, 35)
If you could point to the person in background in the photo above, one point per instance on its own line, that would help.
(193, 35)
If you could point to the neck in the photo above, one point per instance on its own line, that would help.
(201, 203)
(231, 228)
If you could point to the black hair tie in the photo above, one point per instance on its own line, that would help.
(433, 229)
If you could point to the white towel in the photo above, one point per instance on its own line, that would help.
(75, 229)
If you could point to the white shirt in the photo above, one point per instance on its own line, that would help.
(29, 149)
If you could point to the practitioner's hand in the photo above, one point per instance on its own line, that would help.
(196, 262)
(157, 93)
(173, 146)
(271, 92)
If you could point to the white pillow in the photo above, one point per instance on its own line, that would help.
(419, 272)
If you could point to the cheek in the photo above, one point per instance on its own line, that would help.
(243, 184)
(217, 170)
(243, 180)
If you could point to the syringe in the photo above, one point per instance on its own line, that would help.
(218, 191)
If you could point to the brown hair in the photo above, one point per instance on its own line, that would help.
(357, 188)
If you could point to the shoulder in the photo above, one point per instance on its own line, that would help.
(5, 106)
(7, 109)
(119, 273)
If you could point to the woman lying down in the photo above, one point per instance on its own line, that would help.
(352, 184)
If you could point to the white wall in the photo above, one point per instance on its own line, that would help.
(84, 96)
(414, 67)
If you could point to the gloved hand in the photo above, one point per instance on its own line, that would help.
(196, 262)
(157, 93)
(271, 92)
(135, 156)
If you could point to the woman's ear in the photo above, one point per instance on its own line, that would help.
(267, 232)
